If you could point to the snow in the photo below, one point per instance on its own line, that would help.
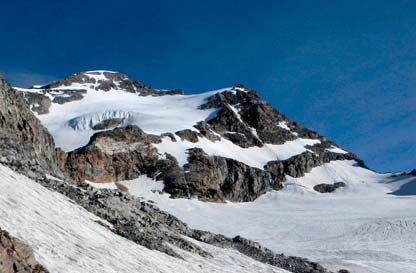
(253, 156)
(67, 239)
(337, 150)
(283, 124)
(155, 115)
(369, 226)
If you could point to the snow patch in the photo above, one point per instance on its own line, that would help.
(283, 124)
(337, 150)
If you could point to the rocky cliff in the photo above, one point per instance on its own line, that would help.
(24, 142)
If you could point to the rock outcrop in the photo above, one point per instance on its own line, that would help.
(215, 178)
(325, 188)
(17, 257)
(119, 154)
(24, 142)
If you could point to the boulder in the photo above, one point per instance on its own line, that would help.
(325, 188)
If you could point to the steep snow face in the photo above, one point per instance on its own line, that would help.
(67, 239)
(367, 227)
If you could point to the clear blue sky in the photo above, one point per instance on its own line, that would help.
(346, 69)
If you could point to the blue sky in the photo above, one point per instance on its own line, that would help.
(346, 69)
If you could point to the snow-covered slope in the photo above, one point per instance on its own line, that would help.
(71, 123)
(364, 227)
(66, 238)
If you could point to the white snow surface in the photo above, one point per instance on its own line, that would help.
(337, 150)
(252, 156)
(363, 227)
(155, 115)
(283, 124)
(67, 239)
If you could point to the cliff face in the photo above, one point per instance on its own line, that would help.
(24, 143)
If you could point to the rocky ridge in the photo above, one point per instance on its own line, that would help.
(74, 88)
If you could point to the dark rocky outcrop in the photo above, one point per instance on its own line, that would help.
(39, 103)
(110, 81)
(108, 123)
(243, 112)
(207, 131)
(260, 253)
(17, 257)
(24, 142)
(119, 154)
(325, 188)
(188, 135)
(412, 172)
(215, 178)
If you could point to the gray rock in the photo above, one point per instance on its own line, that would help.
(23, 139)
(188, 135)
(108, 123)
(325, 188)
(215, 178)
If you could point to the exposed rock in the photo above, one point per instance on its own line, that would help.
(67, 95)
(109, 81)
(24, 142)
(15, 256)
(119, 154)
(242, 111)
(39, 103)
(324, 188)
(206, 130)
(260, 253)
(228, 124)
(215, 178)
(188, 135)
(298, 165)
(108, 123)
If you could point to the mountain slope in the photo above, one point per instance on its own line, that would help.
(66, 238)
(28, 209)
(226, 144)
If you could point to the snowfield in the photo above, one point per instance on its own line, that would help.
(67, 239)
(363, 227)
